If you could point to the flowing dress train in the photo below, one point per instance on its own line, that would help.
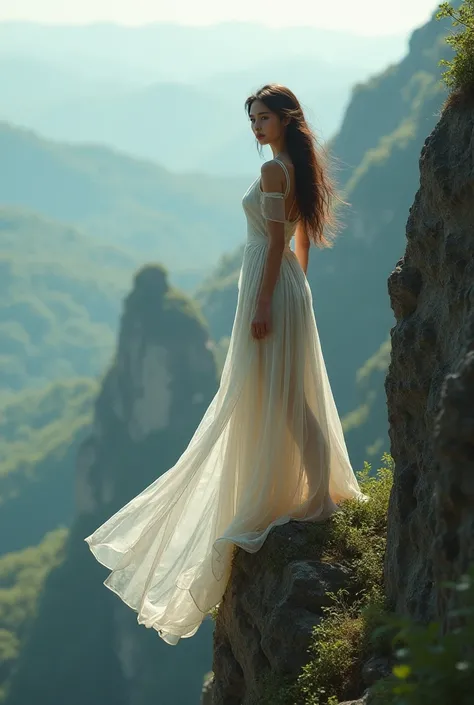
(268, 449)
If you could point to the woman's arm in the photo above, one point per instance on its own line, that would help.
(274, 214)
(272, 182)
(302, 245)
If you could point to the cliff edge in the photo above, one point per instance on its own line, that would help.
(430, 382)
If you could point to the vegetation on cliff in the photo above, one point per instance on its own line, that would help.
(417, 664)
(459, 74)
(354, 539)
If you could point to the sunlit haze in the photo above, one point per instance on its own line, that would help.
(368, 17)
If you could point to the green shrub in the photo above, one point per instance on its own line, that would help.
(336, 648)
(433, 668)
(460, 70)
(355, 537)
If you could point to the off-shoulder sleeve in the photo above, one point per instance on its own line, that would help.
(273, 206)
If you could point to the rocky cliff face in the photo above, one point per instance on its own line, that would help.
(265, 621)
(85, 645)
(430, 384)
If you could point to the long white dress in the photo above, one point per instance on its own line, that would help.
(269, 448)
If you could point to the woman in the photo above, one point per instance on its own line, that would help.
(270, 447)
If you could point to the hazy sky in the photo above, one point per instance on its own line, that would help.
(359, 16)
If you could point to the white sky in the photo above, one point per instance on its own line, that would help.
(359, 16)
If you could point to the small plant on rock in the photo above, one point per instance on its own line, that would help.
(433, 667)
(356, 537)
(459, 74)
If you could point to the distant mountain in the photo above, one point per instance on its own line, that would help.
(187, 127)
(366, 427)
(117, 86)
(324, 100)
(172, 52)
(84, 645)
(184, 221)
(22, 577)
(34, 84)
(177, 125)
(60, 294)
(378, 148)
(40, 432)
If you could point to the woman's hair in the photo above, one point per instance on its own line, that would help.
(315, 191)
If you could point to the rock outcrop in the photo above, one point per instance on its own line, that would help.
(430, 383)
(264, 624)
(85, 645)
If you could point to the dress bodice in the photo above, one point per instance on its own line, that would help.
(256, 223)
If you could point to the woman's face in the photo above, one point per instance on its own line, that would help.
(266, 125)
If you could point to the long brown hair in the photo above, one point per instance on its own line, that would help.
(315, 191)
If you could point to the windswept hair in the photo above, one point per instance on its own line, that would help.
(315, 191)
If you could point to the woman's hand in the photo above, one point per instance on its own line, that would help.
(262, 321)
